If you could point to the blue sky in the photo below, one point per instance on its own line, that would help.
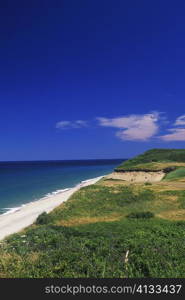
(91, 79)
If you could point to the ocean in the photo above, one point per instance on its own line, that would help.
(23, 182)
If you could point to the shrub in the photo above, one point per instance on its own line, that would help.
(141, 215)
(178, 173)
(43, 219)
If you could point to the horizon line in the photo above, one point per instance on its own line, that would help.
(58, 160)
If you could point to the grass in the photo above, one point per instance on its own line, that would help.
(141, 215)
(90, 234)
(97, 201)
(182, 200)
(155, 159)
(178, 173)
(156, 249)
(97, 234)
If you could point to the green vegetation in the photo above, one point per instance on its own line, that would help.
(141, 215)
(90, 234)
(156, 249)
(150, 160)
(178, 173)
(182, 200)
(97, 201)
(42, 219)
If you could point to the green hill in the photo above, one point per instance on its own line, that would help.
(155, 159)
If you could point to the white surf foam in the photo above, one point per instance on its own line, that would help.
(50, 195)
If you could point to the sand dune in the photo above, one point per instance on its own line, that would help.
(137, 176)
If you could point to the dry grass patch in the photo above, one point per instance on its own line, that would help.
(168, 186)
(112, 182)
(33, 257)
(9, 259)
(166, 203)
(163, 165)
(173, 215)
(89, 220)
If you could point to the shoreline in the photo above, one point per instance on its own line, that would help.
(21, 217)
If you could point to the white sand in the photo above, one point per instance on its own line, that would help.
(27, 214)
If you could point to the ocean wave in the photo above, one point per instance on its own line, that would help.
(11, 210)
(56, 192)
(48, 195)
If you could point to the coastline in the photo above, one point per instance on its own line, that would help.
(21, 217)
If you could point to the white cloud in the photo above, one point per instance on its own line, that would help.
(62, 124)
(133, 127)
(177, 134)
(180, 121)
(71, 124)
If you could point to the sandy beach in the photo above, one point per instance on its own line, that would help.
(27, 214)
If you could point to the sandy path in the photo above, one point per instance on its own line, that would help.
(27, 214)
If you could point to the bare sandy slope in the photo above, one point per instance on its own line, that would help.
(137, 176)
(27, 214)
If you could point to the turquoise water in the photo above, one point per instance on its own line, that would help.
(23, 182)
